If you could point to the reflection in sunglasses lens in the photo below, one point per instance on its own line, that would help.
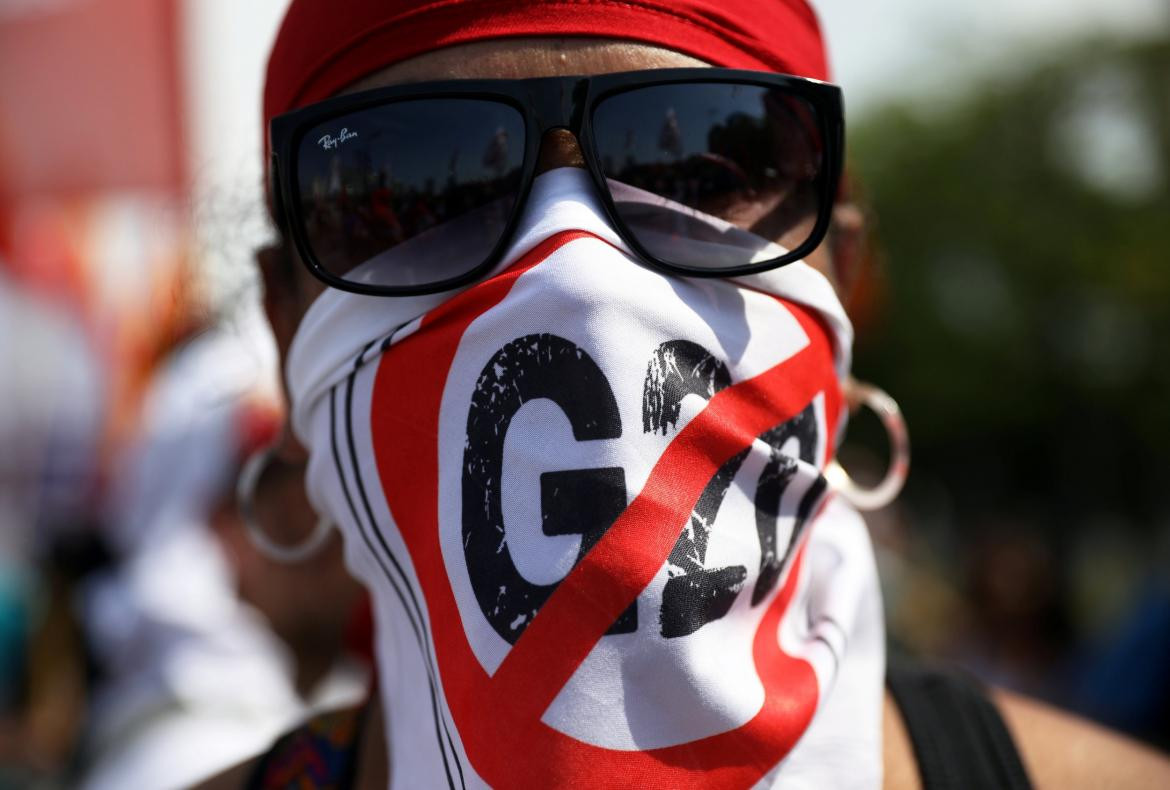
(412, 193)
(712, 175)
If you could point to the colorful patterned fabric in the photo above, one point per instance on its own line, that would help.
(321, 754)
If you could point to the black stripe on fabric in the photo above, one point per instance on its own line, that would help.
(415, 626)
(376, 529)
(384, 343)
(353, 512)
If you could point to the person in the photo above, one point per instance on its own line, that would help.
(579, 436)
(204, 649)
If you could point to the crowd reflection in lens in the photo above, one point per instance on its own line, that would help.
(745, 155)
(387, 183)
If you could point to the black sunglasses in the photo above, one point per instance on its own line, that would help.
(704, 172)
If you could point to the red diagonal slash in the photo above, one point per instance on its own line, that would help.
(498, 717)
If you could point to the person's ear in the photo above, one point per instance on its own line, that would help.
(847, 246)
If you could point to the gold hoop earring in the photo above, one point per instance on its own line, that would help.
(857, 394)
(283, 553)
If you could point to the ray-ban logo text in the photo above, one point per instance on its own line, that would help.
(329, 141)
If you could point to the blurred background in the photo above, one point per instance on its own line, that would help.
(1012, 158)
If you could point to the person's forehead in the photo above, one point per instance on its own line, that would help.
(521, 58)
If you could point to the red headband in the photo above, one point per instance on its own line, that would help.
(324, 45)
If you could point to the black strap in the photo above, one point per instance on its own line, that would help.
(959, 738)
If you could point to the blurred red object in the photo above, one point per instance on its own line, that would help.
(93, 178)
(90, 97)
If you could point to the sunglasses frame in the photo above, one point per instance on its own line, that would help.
(547, 103)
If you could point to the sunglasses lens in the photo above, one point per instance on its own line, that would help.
(409, 194)
(711, 176)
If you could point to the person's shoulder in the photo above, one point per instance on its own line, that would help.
(1058, 749)
(1063, 750)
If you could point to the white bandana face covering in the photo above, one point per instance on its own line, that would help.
(587, 498)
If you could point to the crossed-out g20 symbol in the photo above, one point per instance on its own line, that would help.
(586, 502)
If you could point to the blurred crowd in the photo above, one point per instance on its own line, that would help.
(145, 641)
(1015, 295)
(1022, 291)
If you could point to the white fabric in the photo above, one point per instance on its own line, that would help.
(194, 681)
(556, 403)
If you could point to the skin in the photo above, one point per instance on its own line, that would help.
(1060, 751)
(306, 604)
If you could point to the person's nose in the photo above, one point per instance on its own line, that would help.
(559, 148)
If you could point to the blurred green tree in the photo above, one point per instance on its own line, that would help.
(1024, 322)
